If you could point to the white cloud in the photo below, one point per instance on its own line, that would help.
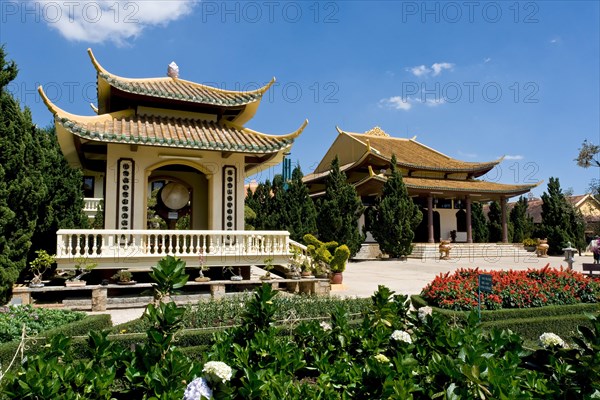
(439, 67)
(487, 60)
(406, 103)
(396, 103)
(435, 70)
(419, 70)
(514, 157)
(117, 21)
(434, 102)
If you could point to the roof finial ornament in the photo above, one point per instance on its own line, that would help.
(377, 131)
(173, 70)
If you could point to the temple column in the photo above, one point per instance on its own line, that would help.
(430, 239)
(469, 228)
(504, 222)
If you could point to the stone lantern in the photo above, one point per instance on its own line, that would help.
(569, 254)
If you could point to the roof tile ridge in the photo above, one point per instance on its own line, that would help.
(100, 69)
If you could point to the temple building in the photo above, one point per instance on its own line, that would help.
(443, 187)
(186, 144)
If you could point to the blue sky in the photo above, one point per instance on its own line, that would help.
(475, 80)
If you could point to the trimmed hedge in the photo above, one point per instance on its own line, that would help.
(77, 328)
(532, 328)
(530, 323)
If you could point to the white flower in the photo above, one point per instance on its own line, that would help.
(218, 369)
(551, 340)
(325, 325)
(382, 358)
(401, 336)
(424, 312)
(198, 389)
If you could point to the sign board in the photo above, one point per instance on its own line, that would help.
(485, 283)
(173, 215)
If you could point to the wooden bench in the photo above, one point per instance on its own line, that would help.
(591, 269)
(22, 293)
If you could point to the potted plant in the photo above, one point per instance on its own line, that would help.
(295, 264)
(338, 264)
(202, 267)
(529, 244)
(123, 277)
(268, 267)
(235, 276)
(83, 267)
(307, 268)
(39, 265)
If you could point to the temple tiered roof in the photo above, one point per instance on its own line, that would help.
(165, 112)
(424, 169)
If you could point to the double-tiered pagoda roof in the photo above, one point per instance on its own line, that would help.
(365, 157)
(166, 112)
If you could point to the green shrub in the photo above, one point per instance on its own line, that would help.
(81, 327)
(36, 320)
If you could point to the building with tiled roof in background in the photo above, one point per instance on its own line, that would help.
(186, 140)
(442, 186)
(586, 204)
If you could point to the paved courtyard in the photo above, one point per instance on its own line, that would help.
(404, 277)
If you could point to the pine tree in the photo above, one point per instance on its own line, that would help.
(479, 228)
(339, 210)
(521, 222)
(395, 216)
(300, 211)
(22, 187)
(560, 221)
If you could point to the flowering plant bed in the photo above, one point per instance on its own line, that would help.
(511, 289)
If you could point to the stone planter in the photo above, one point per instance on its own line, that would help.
(202, 279)
(75, 283)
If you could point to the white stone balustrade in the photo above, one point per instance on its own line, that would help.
(140, 249)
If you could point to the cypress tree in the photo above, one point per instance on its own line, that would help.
(395, 216)
(521, 222)
(62, 206)
(22, 188)
(300, 211)
(339, 210)
(560, 221)
(479, 228)
(260, 203)
(495, 223)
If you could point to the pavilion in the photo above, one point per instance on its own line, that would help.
(443, 187)
(187, 143)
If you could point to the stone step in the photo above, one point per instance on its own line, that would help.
(488, 251)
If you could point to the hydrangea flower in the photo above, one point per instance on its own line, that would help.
(198, 389)
(218, 369)
(549, 339)
(401, 336)
(325, 325)
(424, 312)
(382, 358)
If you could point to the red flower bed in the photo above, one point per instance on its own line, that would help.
(512, 289)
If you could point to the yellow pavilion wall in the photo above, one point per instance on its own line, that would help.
(148, 158)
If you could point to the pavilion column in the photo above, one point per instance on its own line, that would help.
(504, 222)
(469, 226)
(430, 239)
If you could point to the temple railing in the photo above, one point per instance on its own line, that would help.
(90, 205)
(113, 248)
